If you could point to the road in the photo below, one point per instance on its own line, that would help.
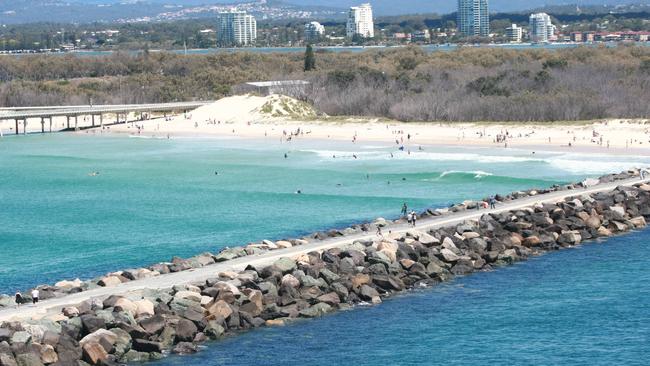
(201, 274)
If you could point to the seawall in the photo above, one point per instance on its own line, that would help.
(145, 324)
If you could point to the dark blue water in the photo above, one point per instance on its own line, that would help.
(583, 306)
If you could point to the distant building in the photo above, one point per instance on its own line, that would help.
(473, 18)
(542, 29)
(360, 22)
(314, 31)
(421, 36)
(589, 36)
(576, 37)
(514, 33)
(236, 28)
(285, 87)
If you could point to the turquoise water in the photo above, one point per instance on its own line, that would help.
(155, 199)
(584, 306)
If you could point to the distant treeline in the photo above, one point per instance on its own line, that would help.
(471, 84)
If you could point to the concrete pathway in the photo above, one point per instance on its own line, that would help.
(54, 306)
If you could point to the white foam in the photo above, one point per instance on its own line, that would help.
(572, 163)
(478, 174)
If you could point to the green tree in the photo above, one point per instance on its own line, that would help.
(310, 58)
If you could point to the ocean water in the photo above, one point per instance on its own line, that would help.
(583, 306)
(158, 198)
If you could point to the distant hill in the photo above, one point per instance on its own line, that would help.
(393, 7)
(84, 11)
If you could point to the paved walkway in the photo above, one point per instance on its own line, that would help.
(201, 274)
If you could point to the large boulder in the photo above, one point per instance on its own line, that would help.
(388, 283)
(229, 254)
(290, 281)
(638, 222)
(122, 342)
(185, 331)
(219, 308)
(359, 280)
(28, 359)
(317, 310)
(100, 336)
(48, 354)
(448, 255)
(21, 337)
(143, 345)
(92, 323)
(593, 222)
(68, 350)
(213, 329)
(144, 307)
(331, 298)
(125, 305)
(94, 353)
(109, 281)
(7, 359)
(188, 295)
(570, 238)
(185, 348)
(285, 265)
(154, 324)
(426, 239)
(368, 293)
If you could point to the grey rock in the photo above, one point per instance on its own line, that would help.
(185, 331)
(316, 310)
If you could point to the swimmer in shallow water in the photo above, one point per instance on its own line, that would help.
(93, 174)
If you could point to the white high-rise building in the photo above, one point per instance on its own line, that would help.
(514, 33)
(236, 28)
(360, 21)
(314, 31)
(541, 28)
(473, 18)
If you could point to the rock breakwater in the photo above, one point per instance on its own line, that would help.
(178, 264)
(147, 324)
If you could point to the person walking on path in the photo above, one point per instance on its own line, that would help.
(379, 232)
(404, 209)
(414, 217)
(19, 299)
(493, 202)
(35, 296)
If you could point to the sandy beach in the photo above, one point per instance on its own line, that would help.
(285, 120)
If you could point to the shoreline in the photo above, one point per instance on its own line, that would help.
(403, 268)
(287, 119)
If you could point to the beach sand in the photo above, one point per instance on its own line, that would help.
(279, 117)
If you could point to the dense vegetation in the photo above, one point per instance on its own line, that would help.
(472, 84)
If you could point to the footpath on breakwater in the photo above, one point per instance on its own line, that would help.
(141, 314)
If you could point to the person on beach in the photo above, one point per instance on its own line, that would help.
(404, 209)
(379, 232)
(35, 296)
(409, 218)
(19, 299)
(493, 202)
(414, 218)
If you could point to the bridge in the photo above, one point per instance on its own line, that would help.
(23, 114)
